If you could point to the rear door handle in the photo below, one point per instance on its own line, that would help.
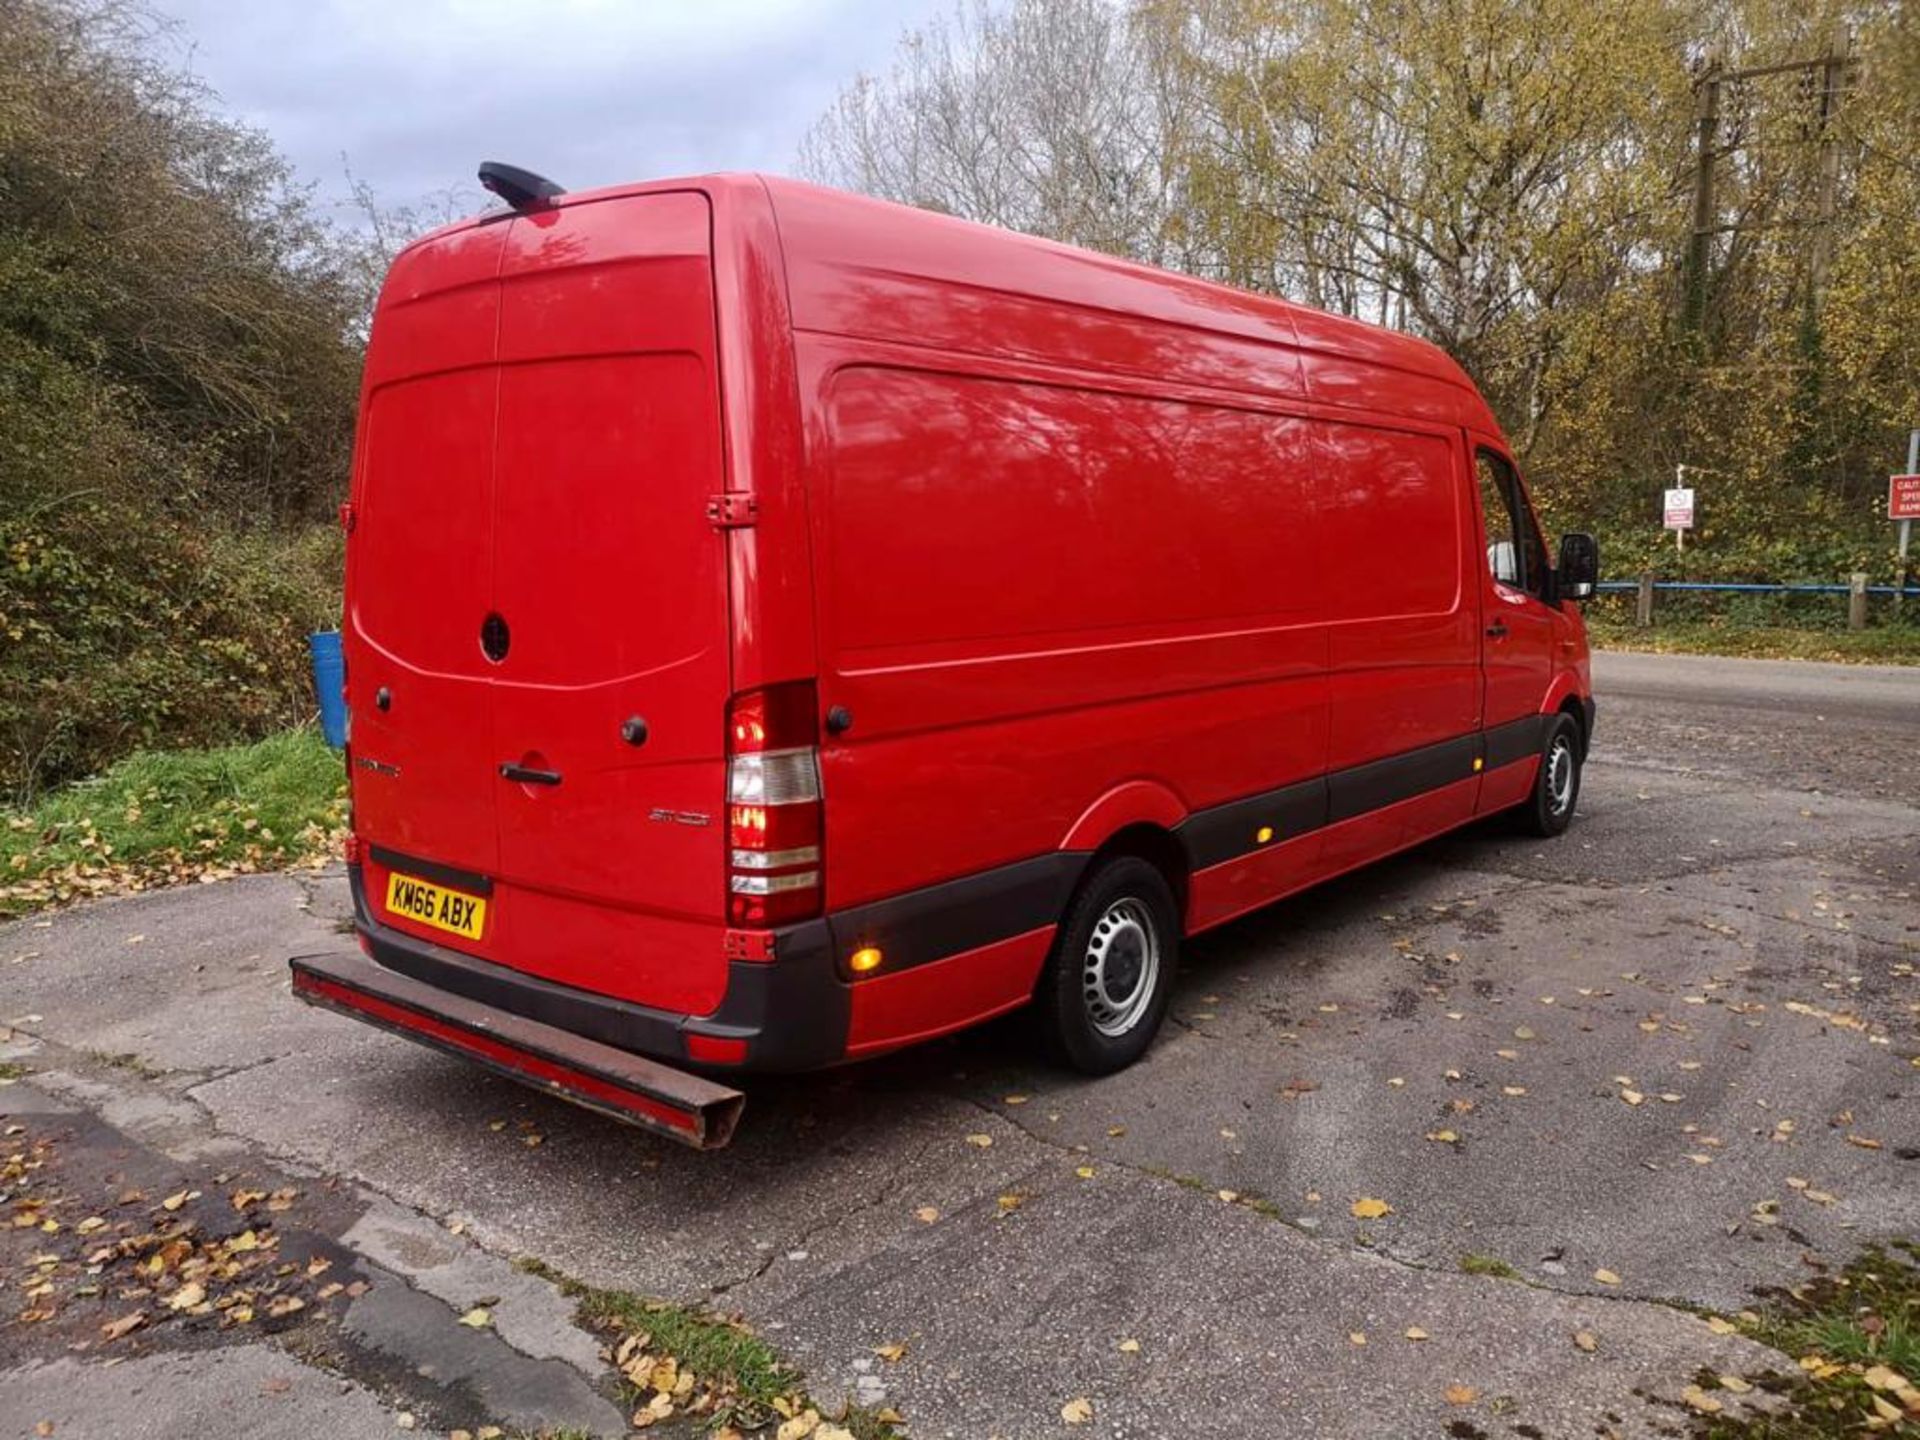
(528, 776)
(1498, 630)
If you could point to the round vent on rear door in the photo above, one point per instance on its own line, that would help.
(494, 638)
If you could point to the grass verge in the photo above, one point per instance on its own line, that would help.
(678, 1359)
(1888, 645)
(1856, 1339)
(165, 817)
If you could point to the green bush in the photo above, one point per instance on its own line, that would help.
(122, 631)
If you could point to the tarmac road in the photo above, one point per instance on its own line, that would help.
(1729, 933)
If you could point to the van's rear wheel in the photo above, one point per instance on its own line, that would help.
(1556, 789)
(1107, 983)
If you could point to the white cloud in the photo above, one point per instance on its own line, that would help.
(590, 92)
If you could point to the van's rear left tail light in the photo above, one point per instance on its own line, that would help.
(775, 872)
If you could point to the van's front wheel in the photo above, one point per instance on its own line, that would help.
(1107, 983)
(1556, 789)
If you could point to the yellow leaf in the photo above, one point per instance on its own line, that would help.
(1013, 1099)
(1357, 1337)
(174, 1202)
(1085, 1172)
(187, 1296)
(981, 1142)
(1077, 1412)
(1720, 1326)
(1586, 1341)
(926, 1214)
(1414, 1332)
(1445, 1137)
(1461, 1394)
(1128, 1347)
(478, 1318)
(1698, 1399)
(1367, 1208)
(890, 1353)
(1010, 1202)
(1632, 1097)
(1735, 1384)
(1606, 1277)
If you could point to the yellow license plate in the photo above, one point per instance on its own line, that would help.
(436, 905)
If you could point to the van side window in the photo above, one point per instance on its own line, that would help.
(1515, 555)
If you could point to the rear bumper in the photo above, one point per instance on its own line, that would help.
(786, 1014)
(641, 1092)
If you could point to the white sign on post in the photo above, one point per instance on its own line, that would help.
(1680, 509)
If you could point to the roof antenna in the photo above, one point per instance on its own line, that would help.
(522, 189)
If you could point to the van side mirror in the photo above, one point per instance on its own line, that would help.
(1579, 570)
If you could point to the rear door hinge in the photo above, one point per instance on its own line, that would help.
(732, 510)
(347, 517)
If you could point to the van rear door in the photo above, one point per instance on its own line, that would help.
(419, 559)
(610, 580)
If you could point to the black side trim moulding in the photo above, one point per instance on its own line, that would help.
(960, 915)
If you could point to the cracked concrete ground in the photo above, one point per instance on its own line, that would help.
(1665, 1061)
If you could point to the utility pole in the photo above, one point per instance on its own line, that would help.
(1833, 77)
(1830, 70)
(1706, 152)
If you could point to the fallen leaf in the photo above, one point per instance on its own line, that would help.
(1632, 1097)
(1085, 1172)
(125, 1325)
(284, 1305)
(1721, 1327)
(174, 1201)
(478, 1318)
(1586, 1341)
(981, 1142)
(1735, 1384)
(1445, 1137)
(187, 1296)
(1414, 1332)
(1698, 1399)
(1077, 1412)
(1367, 1208)
(890, 1353)
(1010, 1202)
(1357, 1337)
(1863, 1142)
(1128, 1347)
(1461, 1394)
(1606, 1277)
(926, 1214)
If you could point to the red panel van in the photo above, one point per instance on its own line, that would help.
(782, 626)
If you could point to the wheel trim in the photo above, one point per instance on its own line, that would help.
(1560, 776)
(1120, 969)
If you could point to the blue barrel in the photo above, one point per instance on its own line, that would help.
(330, 683)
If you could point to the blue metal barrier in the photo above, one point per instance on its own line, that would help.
(329, 685)
(1629, 586)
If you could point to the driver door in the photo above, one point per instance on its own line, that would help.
(1517, 627)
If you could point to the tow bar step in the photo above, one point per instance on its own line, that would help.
(628, 1087)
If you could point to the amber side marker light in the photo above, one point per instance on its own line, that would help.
(1478, 764)
(867, 958)
(1263, 835)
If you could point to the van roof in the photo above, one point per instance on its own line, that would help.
(822, 228)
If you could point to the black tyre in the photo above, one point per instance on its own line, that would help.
(1556, 789)
(1107, 983)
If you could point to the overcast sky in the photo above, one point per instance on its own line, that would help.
(588, 92)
